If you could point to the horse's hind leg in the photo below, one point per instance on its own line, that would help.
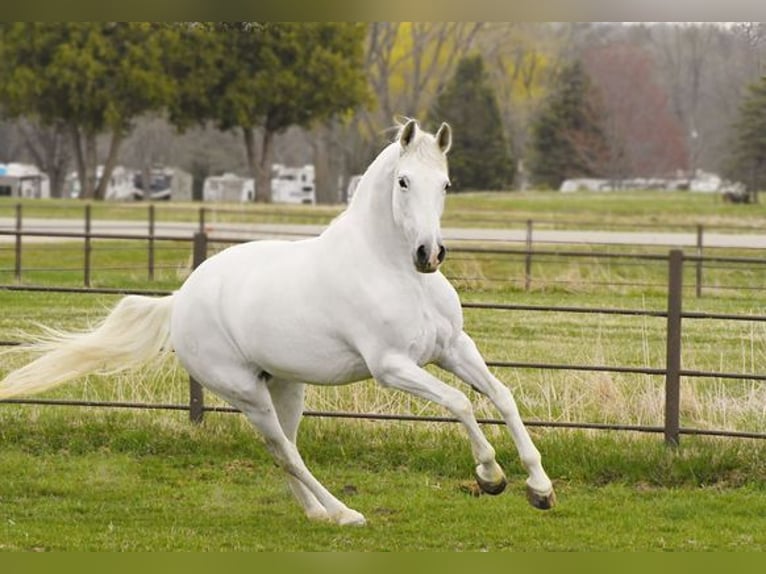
(250, 394)
(288, 402)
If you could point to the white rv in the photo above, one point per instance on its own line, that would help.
(293, 184)
(228, 187)
(120, 187)
(23, 181)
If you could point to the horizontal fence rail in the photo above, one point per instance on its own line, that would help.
(673, 314)
(530, 256)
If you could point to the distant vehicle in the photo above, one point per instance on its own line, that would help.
(700, 181)
(23, 181)
(159, 186)
(228, 187)
(293, 184)
(127, 184)
(120, 186)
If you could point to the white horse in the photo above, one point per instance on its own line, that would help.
(258, 321)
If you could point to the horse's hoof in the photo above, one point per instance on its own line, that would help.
(541, 501)
(318, 515)
(494, 486)
(350, 518)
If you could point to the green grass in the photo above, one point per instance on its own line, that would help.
(591, 210)
(76, 480)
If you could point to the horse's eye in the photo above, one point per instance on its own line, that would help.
(403, 183)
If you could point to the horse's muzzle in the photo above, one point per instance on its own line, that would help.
(427, 260)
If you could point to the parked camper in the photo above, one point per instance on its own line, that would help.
(228, 187)
(288, 185)
(293, 184)
(23, 180)
(121, 187)
(165, 183)
(127, 184)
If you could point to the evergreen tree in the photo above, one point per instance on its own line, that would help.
(567, 140)
(747, 162)
(480, 156)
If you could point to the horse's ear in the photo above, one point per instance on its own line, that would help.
(408, 133)
(444, 137)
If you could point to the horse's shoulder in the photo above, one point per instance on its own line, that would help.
(444, 297)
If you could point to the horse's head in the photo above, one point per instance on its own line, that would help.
(421, 181)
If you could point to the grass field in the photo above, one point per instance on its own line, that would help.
(85, 481)
(110, 480)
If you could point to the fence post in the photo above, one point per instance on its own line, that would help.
(528, 257)
(673, 360)
(699, 261)
(151, 242)
(196, 395)
(17, 264)
(201, 219)
(87, 247)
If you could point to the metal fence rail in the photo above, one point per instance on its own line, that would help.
(528, 254)
(671, 370)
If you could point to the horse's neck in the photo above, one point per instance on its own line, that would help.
(374, 191)
(370, 212)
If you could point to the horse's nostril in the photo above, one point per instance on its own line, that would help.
(442, 254)
(422, 255)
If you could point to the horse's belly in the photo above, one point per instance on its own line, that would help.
(309, 361)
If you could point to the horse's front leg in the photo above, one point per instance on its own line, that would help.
(400, 372)
(464, 360)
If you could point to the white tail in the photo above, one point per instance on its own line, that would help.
(135, 331)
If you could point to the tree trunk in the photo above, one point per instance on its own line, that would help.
(111, 161)
(91, 166)
(263, 168)
(48, 147)
(260, 167)
(79, 157)
(328, 165)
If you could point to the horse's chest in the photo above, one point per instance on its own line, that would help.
(429, 333)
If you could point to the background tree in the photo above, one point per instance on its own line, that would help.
(567, 138)
(269, 77)
(643, 137)
(406, 65)
(50, 148)
(480, 157)
(747, 162)
(92, 77)
(521, 58)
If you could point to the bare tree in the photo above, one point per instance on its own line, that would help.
(753, 35)
(522, 59)
(644, 137)
(50, 149)
(408, 65)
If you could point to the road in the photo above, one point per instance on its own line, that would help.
(239, 231)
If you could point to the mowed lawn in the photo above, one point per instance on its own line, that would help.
(81, 481)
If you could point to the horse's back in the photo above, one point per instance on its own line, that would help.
(267, 304)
